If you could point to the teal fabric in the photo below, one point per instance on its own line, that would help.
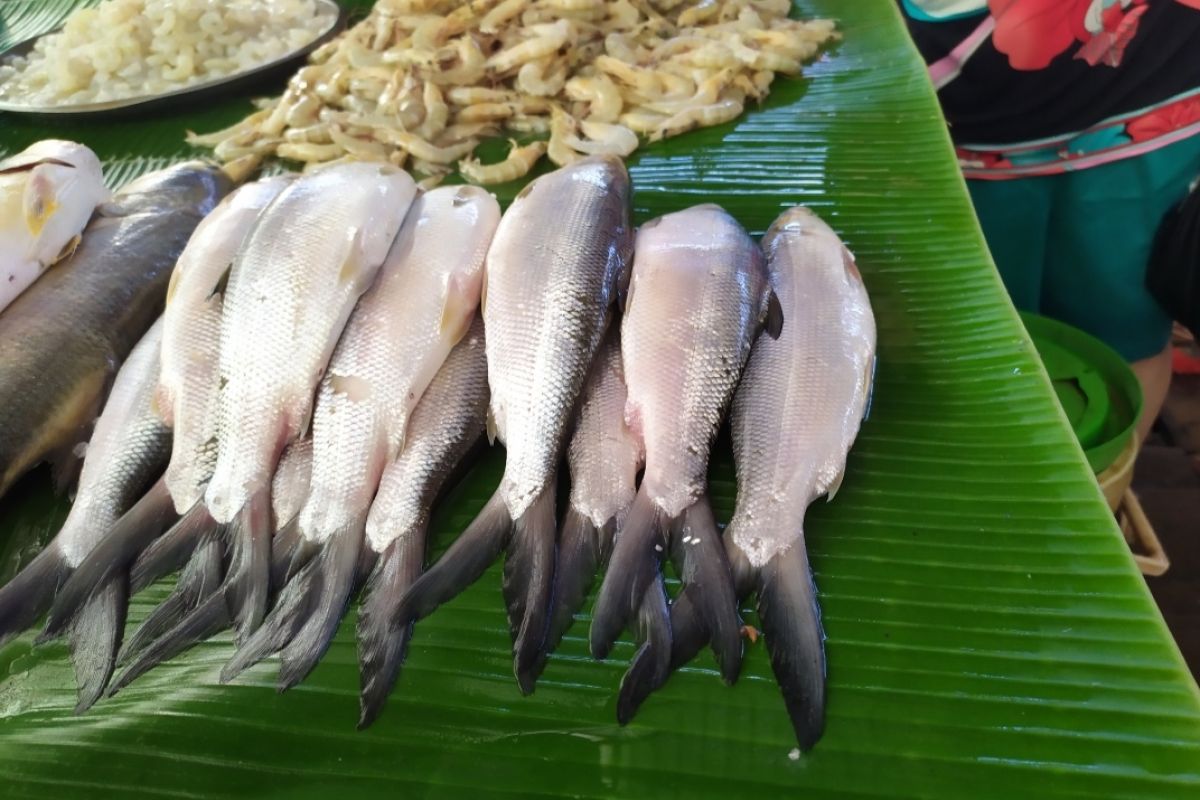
(1075, 246)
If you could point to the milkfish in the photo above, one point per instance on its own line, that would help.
(795, 416)
(126, 454)
(62, 340)
(402, 330)
(557, 264)
(314, 251)
(47, 195)
(188, 387)
(698, 298)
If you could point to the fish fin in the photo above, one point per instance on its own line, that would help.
(579, 553)
(835, 485)
(338, 564)
(66, 462)
(458, 311)
(279, 627)
(28, 595)
(490, 424)
(528, 584)
(791, 621)
(705, 567)
(111, 557)
(635, 564)
(205, 620)
(284, 547)
(94, 636)
(483, 290)
(382, 636)
(870, 384)
(248, 582)
(169, 552)
(201, 577)
(351, 270)
(652, 662)
(463, 562)
(68, 249)
(773, 318)
(222, 284)
(39, 201)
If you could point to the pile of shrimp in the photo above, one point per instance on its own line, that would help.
(421, 83)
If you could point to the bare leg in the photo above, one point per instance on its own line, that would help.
(1154, 374)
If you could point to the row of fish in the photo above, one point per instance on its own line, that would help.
(324, 370)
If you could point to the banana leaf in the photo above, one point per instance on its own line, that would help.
(988, 633)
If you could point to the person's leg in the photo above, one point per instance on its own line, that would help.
(1154, 374)
(1013, 215)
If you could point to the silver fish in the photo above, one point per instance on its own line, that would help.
(63, 338)
(399, 335)
(187, 393)
(698, 298)
(445, 427)
(313, 253)
(47, 195)
(127, 452)
(557, 264)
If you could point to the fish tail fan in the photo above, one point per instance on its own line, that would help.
(94, 636)
(382, 635)
(580, 546)
(652, 662)
(201, 577)
(795, 640)
(634, 565)
(284, 547)
(207, 619)
(463, 562)
(169, 552)
(28, 595)
(248, 584)
(108, 562)
(337, 569)
(528, 584)
(280, 627)
(704, 567)
(688, 637)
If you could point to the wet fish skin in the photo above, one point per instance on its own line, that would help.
(559, 259)
(312, 254)
(698, 298)
(188, 387)
(47, 195)
(125, 455)
(84, 316)
(401, 331)
(444, 429)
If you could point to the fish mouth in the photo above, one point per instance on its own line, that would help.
(796, 220)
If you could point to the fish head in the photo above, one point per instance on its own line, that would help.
(195, 186)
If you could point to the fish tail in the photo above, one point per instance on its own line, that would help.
(463, 562)
(382, 635)
(285, 548)
(169, 552)
(201, 577)
(107, 565)
(634, 566)
(94, 636)
(791, 620)
(248, 583)
(528, 584)
(207, 619)
(28, 595)
(580, 551)
(651, 664)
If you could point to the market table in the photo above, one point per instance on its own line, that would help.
(988, 632)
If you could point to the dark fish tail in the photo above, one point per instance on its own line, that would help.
(108, 563)
(169, 552)
(28, 595)
(528, 584)
(207, 619)
(634, 566)
(248, 584)
(382, 635)
(651, 664)
(94, 636)
(581, 548)
(463, 562)
(284, 546)
(791, 620)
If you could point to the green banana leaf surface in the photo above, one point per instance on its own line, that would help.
(988, 633)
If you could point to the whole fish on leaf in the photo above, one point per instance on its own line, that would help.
(61, 341)
(127, 453)
(795, 416)
(445, 427)
(47, 195)
(604, 458)
(556, 266)
(188, 389)
(196, 609)
(698, 299)
(398, 337)
(313, 253)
